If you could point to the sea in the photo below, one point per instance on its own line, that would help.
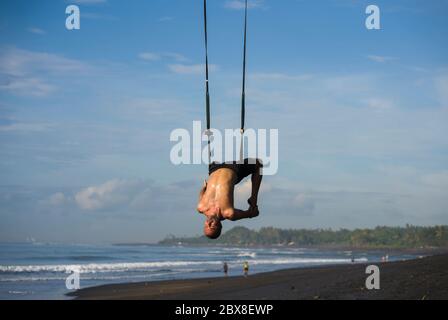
(40, 270)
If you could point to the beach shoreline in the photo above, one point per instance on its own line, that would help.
(423, 278)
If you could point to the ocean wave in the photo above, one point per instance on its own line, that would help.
(153, 274)
(284, 253)
(91, 277)
(23, 279)
(101, 267)
(22, 293)
(73, 257)
(247, 254)
(147, 266)
(305, 261)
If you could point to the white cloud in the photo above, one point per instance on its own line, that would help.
(243, 192)
(379, 103)
(27, 72)
(240, 4)
(402, 172)
(36, 31)
(190, 69)
(149, 56)
(304, 203)
(124, 196)
(176, 56)
(27, 86)
(441, 84)
(112, 193)
(57, 199)
(438, 180)
(18, 62)
(153, 56)
(348, 84)
(27, 127)
(380, 59)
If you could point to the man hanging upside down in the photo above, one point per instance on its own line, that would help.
(216, 196)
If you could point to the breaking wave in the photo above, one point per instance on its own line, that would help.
(147, 266)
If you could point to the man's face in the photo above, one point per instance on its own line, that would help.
(212, 227)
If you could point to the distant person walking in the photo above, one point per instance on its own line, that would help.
(225, 268)
(246, 268)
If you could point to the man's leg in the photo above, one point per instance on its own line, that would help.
(256, 183)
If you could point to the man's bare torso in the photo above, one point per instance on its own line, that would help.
(218, 195)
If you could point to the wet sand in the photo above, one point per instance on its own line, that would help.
(425, 278)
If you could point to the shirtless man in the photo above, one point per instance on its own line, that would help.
(216, 196)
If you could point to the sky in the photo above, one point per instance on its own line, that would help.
(86, 115)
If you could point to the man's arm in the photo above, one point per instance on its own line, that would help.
(237, 214)
(201, 194)
(202, 191)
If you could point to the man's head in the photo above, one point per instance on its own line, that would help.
(212, 227)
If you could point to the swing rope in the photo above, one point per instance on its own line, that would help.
(207, 93)
(243, 90)
(208, 132)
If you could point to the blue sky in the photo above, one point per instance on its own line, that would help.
(85, 115)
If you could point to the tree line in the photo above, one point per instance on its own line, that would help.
(392, 237)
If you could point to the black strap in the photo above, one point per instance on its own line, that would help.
(207, 94)
(243, 91)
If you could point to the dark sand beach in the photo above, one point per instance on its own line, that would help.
(425, 278)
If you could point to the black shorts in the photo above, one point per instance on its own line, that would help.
(242, 170)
